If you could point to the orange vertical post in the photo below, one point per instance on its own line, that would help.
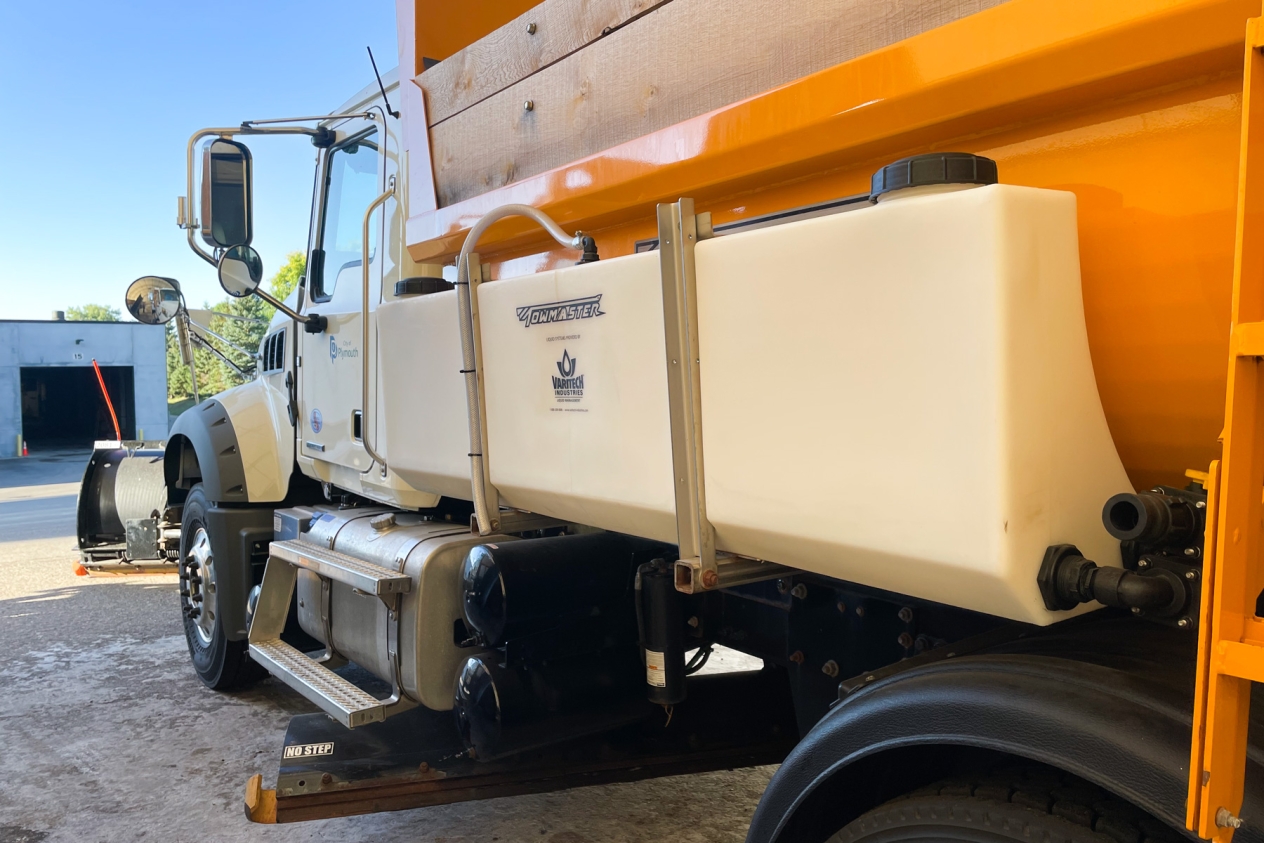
(1229, 656)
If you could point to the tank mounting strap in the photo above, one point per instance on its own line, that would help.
(1231, 637)
(678, 234)
(699, 568)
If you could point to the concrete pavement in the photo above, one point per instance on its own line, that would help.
(106, 734)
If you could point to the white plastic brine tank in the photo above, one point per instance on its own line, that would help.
(899, 396)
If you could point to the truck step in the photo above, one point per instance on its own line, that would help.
(365, 576)
(349, 705)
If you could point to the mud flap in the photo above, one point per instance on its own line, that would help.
(416, 759)
(122, 509)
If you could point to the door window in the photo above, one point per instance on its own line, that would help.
(351, 183)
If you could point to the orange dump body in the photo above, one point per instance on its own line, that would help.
(1133, 106)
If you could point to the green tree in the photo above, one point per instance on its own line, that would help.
(213, 376)
(179, 383)
(287, 277)
(93, 313)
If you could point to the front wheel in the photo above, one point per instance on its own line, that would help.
(1021, 806)
(220, 664)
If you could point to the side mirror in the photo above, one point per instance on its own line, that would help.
(227, 175)
(240, 271)
(153, 300)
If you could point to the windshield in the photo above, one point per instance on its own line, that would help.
(351, 183)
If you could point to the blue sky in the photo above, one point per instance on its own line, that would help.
(100, 100)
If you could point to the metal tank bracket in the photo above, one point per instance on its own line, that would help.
(699, 568)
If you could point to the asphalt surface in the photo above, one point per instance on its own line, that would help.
(107, 735)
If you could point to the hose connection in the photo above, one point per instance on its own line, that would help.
(1160, 544)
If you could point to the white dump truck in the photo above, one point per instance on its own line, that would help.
(932, 433)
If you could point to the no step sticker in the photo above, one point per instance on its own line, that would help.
(308, 750)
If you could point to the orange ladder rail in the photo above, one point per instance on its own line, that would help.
(1231, 638)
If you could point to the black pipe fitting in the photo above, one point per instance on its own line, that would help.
(588, 246)
(1067, 579)
(1150, 518)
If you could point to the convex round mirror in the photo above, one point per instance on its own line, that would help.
(240, 271)
(153, 300)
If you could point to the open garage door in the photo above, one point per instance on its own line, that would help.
(62, 406)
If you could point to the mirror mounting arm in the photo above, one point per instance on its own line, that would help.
(280, 305)
(313, 323)
(320, 135)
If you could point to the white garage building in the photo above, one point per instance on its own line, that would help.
(49, 394)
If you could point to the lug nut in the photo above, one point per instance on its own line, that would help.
(710, 579)
(326, 778)
(830, 668)
(797, 657)
(800, 591)
(197, 598)
(1191, 575)
(906, 614)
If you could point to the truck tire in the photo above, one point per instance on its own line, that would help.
(1023, 804)
(220, 664)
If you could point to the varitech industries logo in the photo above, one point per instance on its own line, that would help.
(560, 311)
(569, 387)
(344, 350)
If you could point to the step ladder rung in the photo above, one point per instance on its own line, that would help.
(350, 705)
(365, 576)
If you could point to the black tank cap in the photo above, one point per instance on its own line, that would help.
(933, 168)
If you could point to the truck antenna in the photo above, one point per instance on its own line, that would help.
(382, 87)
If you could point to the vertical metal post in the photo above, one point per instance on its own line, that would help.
(479, 273)
(677, 237)
(1231, 638)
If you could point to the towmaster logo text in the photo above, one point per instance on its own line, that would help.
(569, 387)
(560, 311)
(344, 350)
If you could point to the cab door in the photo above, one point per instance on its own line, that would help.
(332, 362)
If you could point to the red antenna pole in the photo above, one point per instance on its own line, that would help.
(118, 434)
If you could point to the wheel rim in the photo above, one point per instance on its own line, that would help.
(200, 604)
